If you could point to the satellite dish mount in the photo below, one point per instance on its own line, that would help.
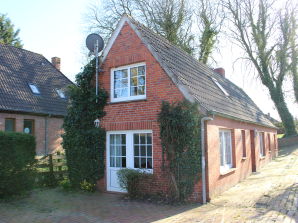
(94, 43)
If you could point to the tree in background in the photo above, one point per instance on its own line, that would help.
(264, 34)
(172, 19)
(83, 143)
(8, 35)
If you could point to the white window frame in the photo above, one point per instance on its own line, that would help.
(129, 152)
(262, 144)
(227, 166)
(129, 98)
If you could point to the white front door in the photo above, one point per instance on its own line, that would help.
(127, 149)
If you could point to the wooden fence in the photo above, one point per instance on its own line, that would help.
(54, 164)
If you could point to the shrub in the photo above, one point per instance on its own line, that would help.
(180, 138)
(86, 186)
(83, 143)
(17, 159)
(129, 180)
(65, 184)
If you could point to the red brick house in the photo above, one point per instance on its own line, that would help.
(32, 98)
(140, 70)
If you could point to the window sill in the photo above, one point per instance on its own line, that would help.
(125, 101)
(244, 158)
(227, 171)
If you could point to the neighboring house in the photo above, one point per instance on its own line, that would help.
(32, 98)
(140, 70)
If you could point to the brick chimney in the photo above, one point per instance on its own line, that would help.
(220, 71)
(56, 62)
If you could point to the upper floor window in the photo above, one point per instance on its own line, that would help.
(225, 139)
(34, 89)
(128, 83)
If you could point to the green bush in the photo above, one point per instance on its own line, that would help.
(129, 180)
(17, 159)
(86, 186)
(83, 143)
(65, 184)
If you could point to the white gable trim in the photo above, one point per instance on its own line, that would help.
(114, 36)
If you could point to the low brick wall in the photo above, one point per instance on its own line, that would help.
(288, 141)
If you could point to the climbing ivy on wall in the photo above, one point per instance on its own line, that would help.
(83, 143)
(180, 138)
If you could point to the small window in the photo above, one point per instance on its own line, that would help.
(262, 146)
(220, 87)
(61, 94)
(28, 126)
(243, 143)
(34, 89)
(225, 139)
(10, 125)
(128, 83)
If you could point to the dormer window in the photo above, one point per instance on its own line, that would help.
(220, 87)
(61, 94)
(34, 89)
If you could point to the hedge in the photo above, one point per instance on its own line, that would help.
(17, 158)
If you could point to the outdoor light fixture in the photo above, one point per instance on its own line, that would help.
(96, 123)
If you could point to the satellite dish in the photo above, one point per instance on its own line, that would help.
(91, 41)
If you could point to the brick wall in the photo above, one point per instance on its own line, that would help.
(137, 115)
(54, 130)
(142, 114)
(218, 183)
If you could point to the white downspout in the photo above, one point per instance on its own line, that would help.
(203, 157)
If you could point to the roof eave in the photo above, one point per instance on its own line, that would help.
(239, 119)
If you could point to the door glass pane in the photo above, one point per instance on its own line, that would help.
(143, 138)
(118, 150)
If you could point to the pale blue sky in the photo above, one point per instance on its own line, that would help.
(56, 28)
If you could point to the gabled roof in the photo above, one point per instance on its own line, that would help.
(194, 79)
(18, 69)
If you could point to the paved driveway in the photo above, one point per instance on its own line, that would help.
(269, 196)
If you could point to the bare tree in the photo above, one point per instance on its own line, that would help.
(173, 19)
(264, 35)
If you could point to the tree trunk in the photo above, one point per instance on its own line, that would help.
(283, 111)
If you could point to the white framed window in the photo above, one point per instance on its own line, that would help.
(220, 86)
(262, 146)
(128, 83)
(226, 161)
(34, 89)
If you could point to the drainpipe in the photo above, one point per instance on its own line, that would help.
(203, 156)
